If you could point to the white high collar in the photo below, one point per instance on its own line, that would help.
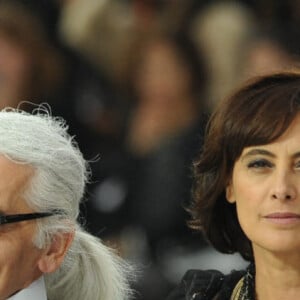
(36, 291)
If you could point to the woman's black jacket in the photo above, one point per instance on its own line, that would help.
(206, 285)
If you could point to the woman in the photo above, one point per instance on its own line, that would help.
(247, 193)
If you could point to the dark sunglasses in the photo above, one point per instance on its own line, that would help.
(5, 219)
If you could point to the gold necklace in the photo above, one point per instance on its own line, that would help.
(237, 290)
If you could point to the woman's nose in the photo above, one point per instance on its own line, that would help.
(283, 196)
(283, 187)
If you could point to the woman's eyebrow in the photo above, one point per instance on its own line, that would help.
(264, 152)
(258, 151)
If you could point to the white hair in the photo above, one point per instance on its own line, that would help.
(90, 271)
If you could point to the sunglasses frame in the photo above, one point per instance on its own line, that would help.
(6, 219)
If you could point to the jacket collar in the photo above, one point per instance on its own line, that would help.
(36, 291)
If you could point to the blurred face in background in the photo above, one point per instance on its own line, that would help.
(162, 74)
(266, 56)
(14, 72)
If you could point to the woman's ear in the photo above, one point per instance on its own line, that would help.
(229, 193)
(55, 253)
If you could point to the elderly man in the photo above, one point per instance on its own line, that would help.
(45, 254)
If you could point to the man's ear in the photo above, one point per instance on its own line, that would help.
(55, 252)
(229, 193)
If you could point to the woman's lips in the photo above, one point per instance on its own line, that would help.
(284, 218)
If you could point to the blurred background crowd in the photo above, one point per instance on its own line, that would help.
(136, 81)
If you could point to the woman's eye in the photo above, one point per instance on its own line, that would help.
(297, 165)
(260, 164)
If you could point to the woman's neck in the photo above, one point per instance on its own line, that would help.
(277, 277)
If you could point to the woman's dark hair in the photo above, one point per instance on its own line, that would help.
(256, 114)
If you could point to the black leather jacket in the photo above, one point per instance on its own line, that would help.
(206, 285)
